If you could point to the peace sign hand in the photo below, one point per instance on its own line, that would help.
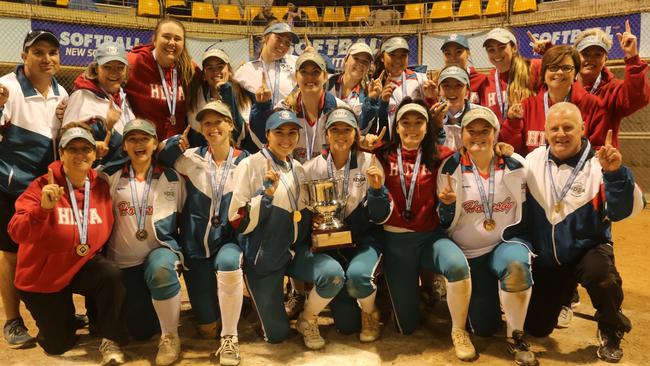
(263, 94)
(628, 41)
(516, 111)
(51, 192)
(375, 87)
(609, 157)
(271, 179)
(102, 147)
(447, 195)
(375, 174)
(430, 89)
(369, 141)
(539, 46)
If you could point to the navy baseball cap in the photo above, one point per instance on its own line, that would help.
(279, 28)
(39, 35)
(281, 117)
(455, 38)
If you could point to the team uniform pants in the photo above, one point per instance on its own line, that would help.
(7, 211)
(507, 266)
(405, 254)
(202, 283)
(596, 272)
(322, 270)
(54, 313)
(156, 278)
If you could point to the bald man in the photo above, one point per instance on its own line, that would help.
(575, 193)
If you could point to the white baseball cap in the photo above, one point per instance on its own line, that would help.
(500, 35)
(215, 52)
(589, 41)
(358, 48)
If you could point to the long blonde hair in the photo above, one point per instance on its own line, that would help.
(520, 83)
(184, 63)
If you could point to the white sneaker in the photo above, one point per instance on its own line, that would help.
(228, 353)
(463, 346)
(169, 348)
(370, 326)
(111, 352)
(565, 317)
(310, 332)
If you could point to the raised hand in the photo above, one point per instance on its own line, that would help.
(263, 94)
(387, 90)
(439, 111)
(516, 111)
(504, 149)
(628, 41)
(271, 179)
(113, 115)
(430, 88)
(375, 174)
(4, 95)
(184, 142)
(539, 47)
(447, 195)
(102, 147)
(375, 87)
(60, 109)
(308, 46)
(609, 157)
(369, 141)
(51, 192)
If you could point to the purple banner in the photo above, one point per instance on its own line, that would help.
(336, 47)
(565, 33)
(78, 42)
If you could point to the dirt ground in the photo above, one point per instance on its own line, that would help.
(430, 345)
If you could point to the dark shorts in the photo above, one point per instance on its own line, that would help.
(7, 210)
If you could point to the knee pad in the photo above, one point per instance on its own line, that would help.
(517, 277)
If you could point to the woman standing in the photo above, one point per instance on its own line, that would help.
(406, 206)
(481, 204)
(356, 172)
(160, 76)
(62, 221)
(144, 243)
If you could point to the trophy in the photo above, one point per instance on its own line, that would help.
(324, 200)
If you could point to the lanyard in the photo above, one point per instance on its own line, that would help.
(171, 99)
(487, 200)
(574, 174)
(140, 207)
(82, 222)
(293, 200)
(346, 174)
(596, 84)
(217, 191)
(309, 145)
(392, 96)
(416, 171)
(546, 106)
(503, 104)
(456, 116)
(276, 81)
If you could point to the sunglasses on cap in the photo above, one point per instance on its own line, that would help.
(37, 34)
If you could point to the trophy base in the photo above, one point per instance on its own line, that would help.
(326, 240)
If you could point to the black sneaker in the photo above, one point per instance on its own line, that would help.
(518, 347)
(610, 344)
(295, 303)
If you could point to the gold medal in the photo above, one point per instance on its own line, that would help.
(297, 216)
(141, 234)
(82, 249)
(558, 207)
(489, 224)
(172, 120)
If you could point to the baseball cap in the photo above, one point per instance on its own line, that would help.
(215, 52)
(139, 124)
(39, 35)
(279, 28)
(480, 112)
(453, 72)
(358, 48)
(110, 51)
(500, 35)
(412, 107)
(394, 43)
(281, 117)
(75, 133)
(215, 106)
(313, 57)
(344, 115)
(589, 41)
(455, 38)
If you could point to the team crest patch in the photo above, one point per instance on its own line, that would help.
(170, 194)
(577, 189)
(359, 179)
(285, 114)
(111, 50)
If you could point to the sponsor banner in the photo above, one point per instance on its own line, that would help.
(566, 32)
(336, 47)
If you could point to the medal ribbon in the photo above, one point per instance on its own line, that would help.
(596, 84)
(487, 200)
(276, 82)
(82, 222)
(309, 145)
(574, 174)
(140, 209)
(402, 180)
(293, 200)
(171, 99)
(217, 191)
(503, 104)
(546, 106)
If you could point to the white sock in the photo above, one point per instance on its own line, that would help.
(314, 304)
(168, 312)
(515, 306)
(230, 289)
(368, 303)
(458, 295)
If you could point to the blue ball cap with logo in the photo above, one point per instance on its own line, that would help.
(455, 38)
(281, 117)
(279, 28)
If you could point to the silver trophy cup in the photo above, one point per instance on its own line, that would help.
(326, 203)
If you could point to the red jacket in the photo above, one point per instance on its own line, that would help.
(476, 80)
(425, 198)
(527, 134)
(623, 97)
(146, 96)
(47, 260)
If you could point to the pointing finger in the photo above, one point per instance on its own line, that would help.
(448, 180)
(381, 133)
(608, 139)
(531, 36)
(627, 26)
(186, 131)
(307, 41)
(264, 78)
(50, 176)
(107, 139)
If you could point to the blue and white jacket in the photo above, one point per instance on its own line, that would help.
(270, 232)
(364, 107)
(593, 202)
(28, 128)
(199, 237)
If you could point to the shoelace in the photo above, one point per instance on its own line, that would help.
(227, 346)
(109, 346)
(17, 328)
(165, 340)
(312, 330)
(461, 338)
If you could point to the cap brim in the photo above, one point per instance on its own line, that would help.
(584, 45)
(201, 114)
(104, 60)
(445, 77)
(448, 42)
(44, 37)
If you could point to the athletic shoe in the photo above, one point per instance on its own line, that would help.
(16, 334)
(310, 332)
(575, 300)
(565, 317)
(518, 347)
(463, 346)
(111, 353)
(228, 352)
(610, 344)
(370, 326)
(295, 303)
(169, 348)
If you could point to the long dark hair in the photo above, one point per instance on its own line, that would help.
(430, 157)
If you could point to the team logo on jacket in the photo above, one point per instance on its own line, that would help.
(577, 189)
(358, 180)
(170, 194)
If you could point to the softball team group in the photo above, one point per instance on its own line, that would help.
(156, 169)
